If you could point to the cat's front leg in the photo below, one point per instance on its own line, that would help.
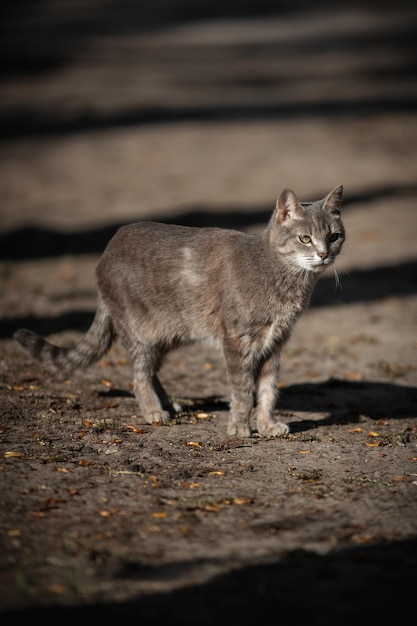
(240, 410)
(241, 381)
(267, 393)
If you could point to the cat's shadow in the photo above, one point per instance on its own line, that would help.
(345, 402)
(341, 401)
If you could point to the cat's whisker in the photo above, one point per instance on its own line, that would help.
(343, 271)
(337, 280)
(340, 271)
(300, 272)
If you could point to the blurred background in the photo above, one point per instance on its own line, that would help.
(200, 112)
(118, 109)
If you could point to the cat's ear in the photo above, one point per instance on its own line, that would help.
(288, 206)
(333, 201)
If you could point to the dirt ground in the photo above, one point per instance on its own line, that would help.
(108, 116)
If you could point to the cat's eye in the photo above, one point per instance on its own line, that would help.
(333, 237)
(304, 239)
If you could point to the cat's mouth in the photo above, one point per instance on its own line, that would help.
(314, 265)
(319, 266)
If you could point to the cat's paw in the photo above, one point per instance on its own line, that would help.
(238, 430)
(279, 429)
(158, 417)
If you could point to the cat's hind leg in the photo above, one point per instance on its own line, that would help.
(147, 387)
(267, 393)
(166, 401)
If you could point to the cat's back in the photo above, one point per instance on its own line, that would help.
(144, 234)
(149, 231)
(163, 240)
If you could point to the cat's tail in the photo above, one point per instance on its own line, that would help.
(91, 347)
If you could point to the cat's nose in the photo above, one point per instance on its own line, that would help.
(323, 255)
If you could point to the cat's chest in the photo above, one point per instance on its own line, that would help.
(267, 337)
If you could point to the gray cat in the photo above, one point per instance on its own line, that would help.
(161, 286)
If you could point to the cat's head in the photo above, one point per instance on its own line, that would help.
(308, 235)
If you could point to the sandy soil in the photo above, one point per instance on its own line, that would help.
(204, 121)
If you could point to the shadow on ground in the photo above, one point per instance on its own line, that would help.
(345, 401)
(367, 582)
